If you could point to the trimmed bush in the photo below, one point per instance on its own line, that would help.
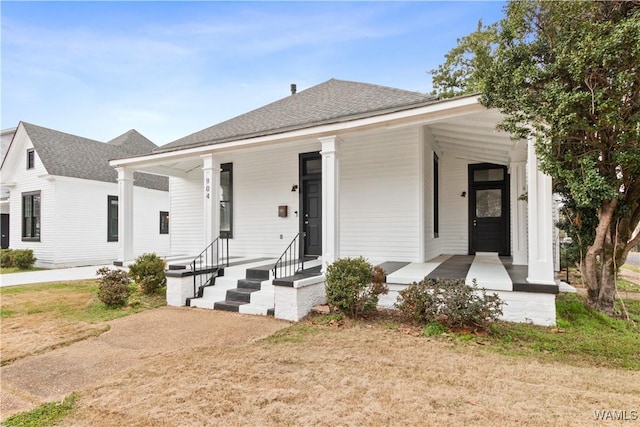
(6, 258)
(148, 273)
(113, 286)
(353, 285)
(451, 303)
(23, 258)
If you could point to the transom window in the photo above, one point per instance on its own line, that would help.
(226, 200)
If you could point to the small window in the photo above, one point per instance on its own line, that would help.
(112, 218)
(226, 200)
(436, 196)
(31, 216)
(164, 222)
(31, 158)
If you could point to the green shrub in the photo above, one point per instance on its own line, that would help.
(148, 273)
(113, 286)
(23, 258)
(451, 303)
(6, 258)
(353, 285)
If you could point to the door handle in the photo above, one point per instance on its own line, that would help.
(475, 222)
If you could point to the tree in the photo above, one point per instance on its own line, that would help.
(568, 74)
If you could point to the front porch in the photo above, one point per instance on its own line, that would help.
(248, 286)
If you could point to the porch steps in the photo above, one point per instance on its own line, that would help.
(247, 291)
(232, 274)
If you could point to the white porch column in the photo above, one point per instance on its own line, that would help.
(540, 204)
(211, 196)
(330, 200)
(125, 215)
(518, 174)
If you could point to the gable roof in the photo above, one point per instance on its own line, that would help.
(133, 142)
(63, 154)
(330, 102)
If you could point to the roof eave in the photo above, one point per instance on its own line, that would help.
(432, 111)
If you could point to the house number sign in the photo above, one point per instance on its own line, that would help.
(207, 189)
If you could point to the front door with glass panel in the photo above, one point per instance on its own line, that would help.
(311, 202)
(488, 209)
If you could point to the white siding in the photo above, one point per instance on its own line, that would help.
(433, 245)
(81, 224)
(27, 180)
(186, 214)
(379, 196)
(454, 209)
(262, 181)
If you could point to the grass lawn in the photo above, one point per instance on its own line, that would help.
(38, 318)
(337, 349)
(9, 270)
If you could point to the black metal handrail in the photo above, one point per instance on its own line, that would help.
(207, 265)
(292, 259)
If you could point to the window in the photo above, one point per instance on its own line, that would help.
(436, 197)
(31, 216)
(31, 158)
(164, 222)
(226, 200)
(112, 218)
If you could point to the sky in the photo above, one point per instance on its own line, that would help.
(169, 69)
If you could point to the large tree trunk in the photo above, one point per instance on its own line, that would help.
(599, 268)
(613, 241)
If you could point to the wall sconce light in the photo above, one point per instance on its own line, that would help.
(464, 194)
(294, 188)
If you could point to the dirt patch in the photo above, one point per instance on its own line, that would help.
(317, 375)
(148, 337)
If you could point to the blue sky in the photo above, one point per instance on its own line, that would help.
(168, 69)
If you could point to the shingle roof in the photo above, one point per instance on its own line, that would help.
(63, 154)
(330, 102)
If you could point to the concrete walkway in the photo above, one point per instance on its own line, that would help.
(53, 275)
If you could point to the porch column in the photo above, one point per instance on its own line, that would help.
(518, 174)
(211, 196)
(330, 200)
(540, 203)
(125, 215)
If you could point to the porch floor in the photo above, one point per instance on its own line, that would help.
(488, 269)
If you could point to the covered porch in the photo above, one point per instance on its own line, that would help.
(397, 187)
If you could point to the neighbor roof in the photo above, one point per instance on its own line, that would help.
(63, 154)
(330, 102)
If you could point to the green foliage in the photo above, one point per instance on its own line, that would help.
(113, 287)
(451, 303)
(6, 260)
(566, 73)
(583, 336)
(148, 273)
(433, 329)
(353, 285)
(21, 259)
(44, 415)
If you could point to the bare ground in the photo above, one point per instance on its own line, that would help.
(190, 367)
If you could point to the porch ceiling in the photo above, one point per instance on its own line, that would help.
(475, 137)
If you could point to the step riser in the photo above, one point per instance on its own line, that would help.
(250, 284)
(258, 274)
(234, 295)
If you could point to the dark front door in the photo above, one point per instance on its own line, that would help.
(488, 209)
(4, 230)
(311, 202)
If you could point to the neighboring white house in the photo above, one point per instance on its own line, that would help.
(5, 140)
(63, 197)
(419, 185)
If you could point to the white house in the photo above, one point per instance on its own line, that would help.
(63, 197)
(6, 135)
(421, 186)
